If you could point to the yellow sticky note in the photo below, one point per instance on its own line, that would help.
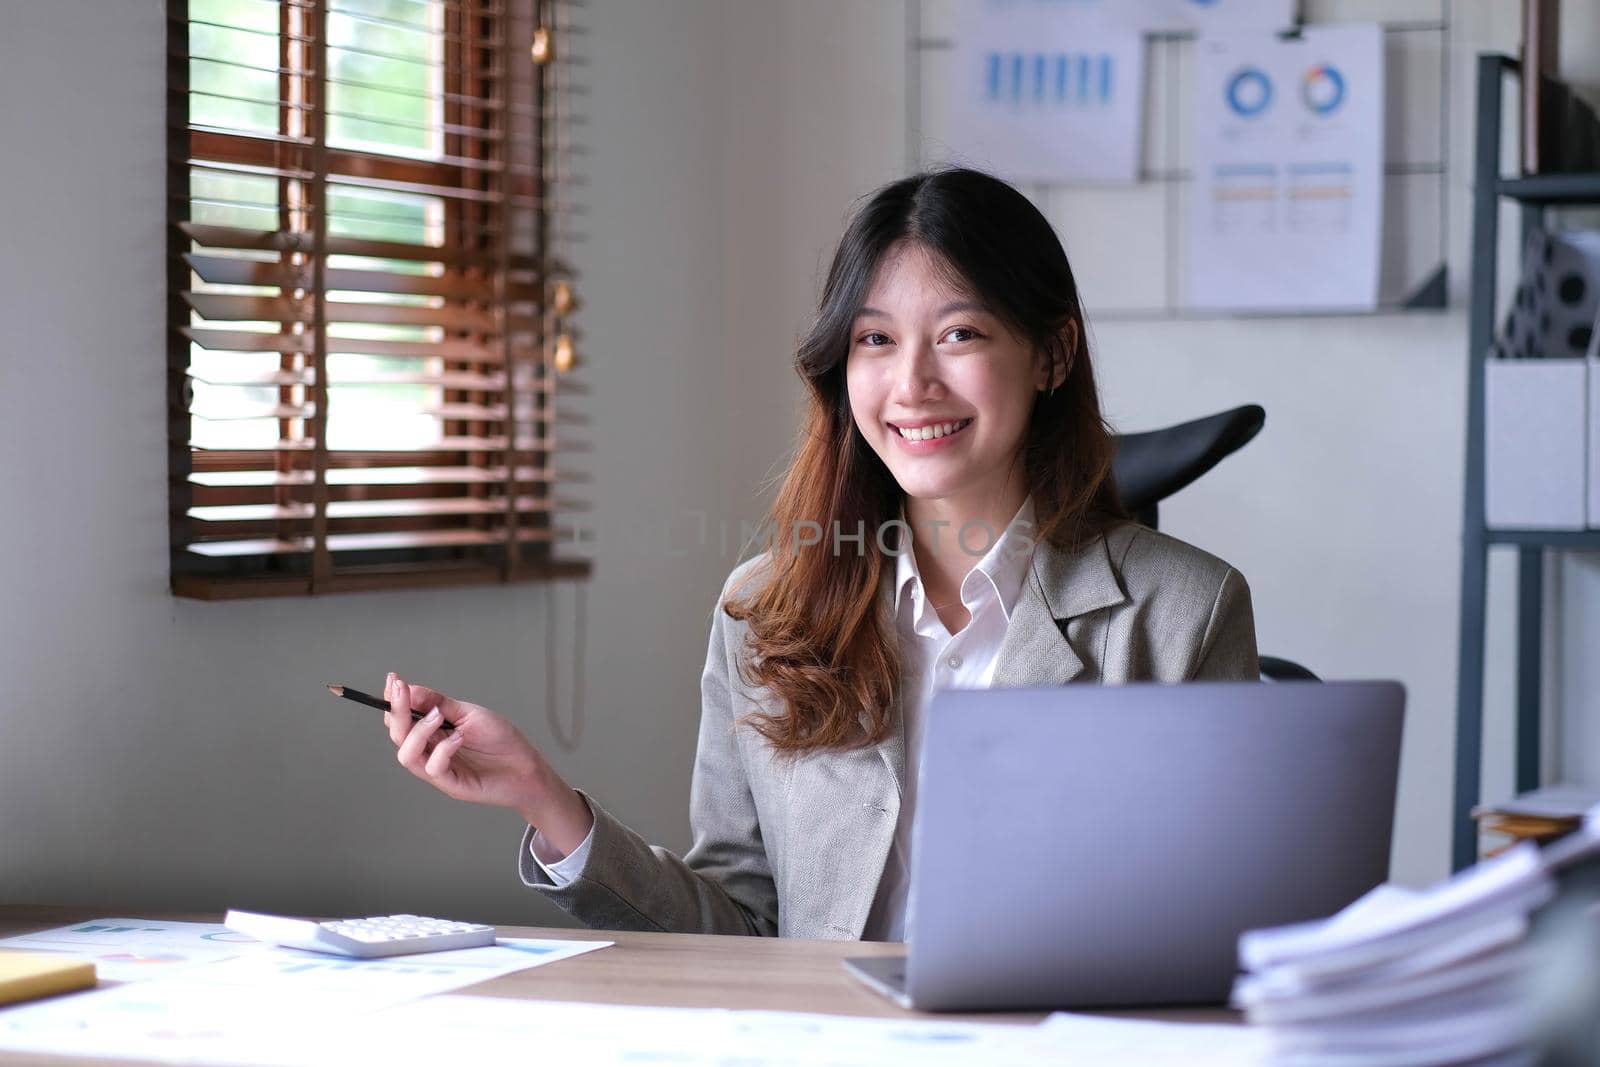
(27, 975)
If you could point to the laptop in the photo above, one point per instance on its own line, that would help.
(1090, 846)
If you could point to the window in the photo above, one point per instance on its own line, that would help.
(370, 327)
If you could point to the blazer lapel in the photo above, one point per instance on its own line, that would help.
(1059, 587)
(893, 748)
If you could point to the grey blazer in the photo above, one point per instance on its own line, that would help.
(796, 846)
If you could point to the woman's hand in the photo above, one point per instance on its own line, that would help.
(483, 759)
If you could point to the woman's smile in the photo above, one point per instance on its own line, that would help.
(929, 437)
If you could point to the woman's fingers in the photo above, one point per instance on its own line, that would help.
(437, 767)
(427, 746)
(398, 718)
(425, 699)
(413, 750)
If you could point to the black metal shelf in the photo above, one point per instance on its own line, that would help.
(1535, 194)
(1574, 190)
(1545, 538)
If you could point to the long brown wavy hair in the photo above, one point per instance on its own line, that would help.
(821, 638)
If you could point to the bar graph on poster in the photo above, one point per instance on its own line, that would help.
(1042, 93)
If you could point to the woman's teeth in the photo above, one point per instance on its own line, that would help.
(926, 433)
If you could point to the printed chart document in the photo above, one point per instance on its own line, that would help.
(140, 950)
(1286, 204)
(136, 950)
(1044, 92)
(199, 991)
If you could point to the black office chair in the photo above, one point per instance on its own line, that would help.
(1149, 467)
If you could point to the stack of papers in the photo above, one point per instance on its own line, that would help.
(1542, 816)
(1406, 977)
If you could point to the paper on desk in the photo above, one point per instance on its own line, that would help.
(299, 1025)
(262, 1005)
(136, 950)
(139, 950)
(181, 1021)
(389, 980)
(487, 1029)
(1106, 1042)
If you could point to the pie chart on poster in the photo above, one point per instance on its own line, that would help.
(1323, 89)
(1249, 92)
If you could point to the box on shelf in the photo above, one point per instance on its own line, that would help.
(1594, 433)
(1536, 444)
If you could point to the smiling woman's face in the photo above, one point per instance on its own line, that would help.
(940, 389)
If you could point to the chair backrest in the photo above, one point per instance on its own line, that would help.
(1151, 466)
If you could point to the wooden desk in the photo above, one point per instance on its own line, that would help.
(666, 970)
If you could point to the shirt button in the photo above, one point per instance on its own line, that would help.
(954, 662)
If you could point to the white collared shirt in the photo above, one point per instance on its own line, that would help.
(931, 659)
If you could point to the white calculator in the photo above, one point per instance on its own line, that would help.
(382, 935)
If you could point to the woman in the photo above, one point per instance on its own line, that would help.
(948, 520)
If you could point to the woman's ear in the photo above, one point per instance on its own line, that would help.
(1058, 359)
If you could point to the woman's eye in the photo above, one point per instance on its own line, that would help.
(970, 334)
(874, 340)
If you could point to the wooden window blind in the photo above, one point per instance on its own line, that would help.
(370, 329)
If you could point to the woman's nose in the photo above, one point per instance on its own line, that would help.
(916, 372)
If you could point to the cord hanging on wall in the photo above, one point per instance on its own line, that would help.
(567, 737)
(556, 335)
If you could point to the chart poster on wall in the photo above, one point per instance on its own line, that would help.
(1287, 200)
(1196, 16)
(1043, 91)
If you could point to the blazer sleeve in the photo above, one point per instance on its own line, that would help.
(1228, 647)
(724, 883)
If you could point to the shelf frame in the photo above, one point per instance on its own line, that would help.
(1535, 193)
(1553, 189)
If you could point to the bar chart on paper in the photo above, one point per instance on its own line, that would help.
(1062, 80)
(1039, 94)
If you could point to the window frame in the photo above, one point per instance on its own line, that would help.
(502, 515)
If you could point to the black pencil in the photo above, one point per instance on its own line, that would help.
(376, 702)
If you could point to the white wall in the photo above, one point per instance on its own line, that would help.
(161, 753)
(158, 753)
